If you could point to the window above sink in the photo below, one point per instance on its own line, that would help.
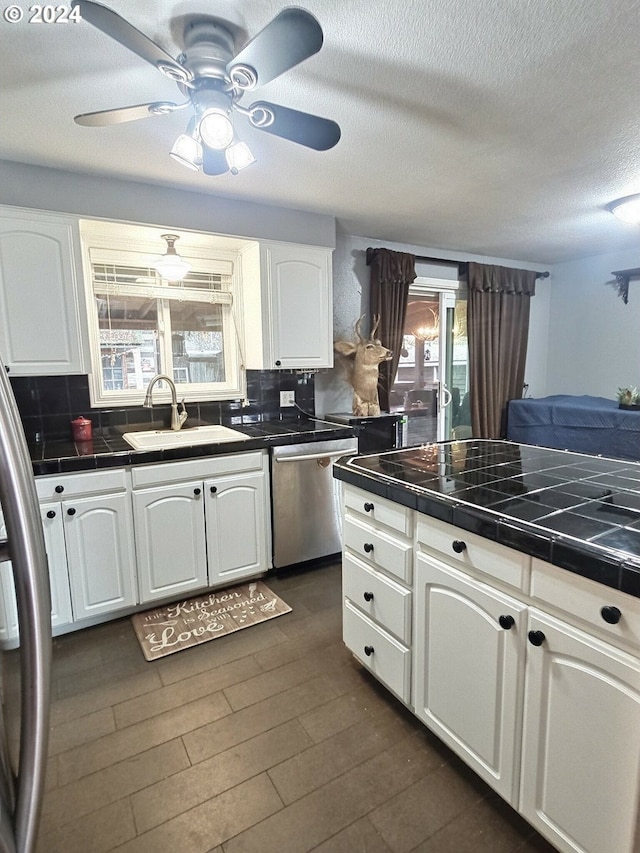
(141, 325)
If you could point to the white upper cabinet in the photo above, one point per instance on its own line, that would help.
(287, 306)
(40, 325)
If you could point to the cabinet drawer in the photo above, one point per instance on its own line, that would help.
(474, 552)
(584, 599)
(379, 548)
(196, 469)
(58, 487)
(382, 599)
(379, 510)
(388, 659)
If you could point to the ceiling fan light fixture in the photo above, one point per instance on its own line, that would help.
(215, 129)
(187, 150)
(171, 267)
(626, 209)
(238, 157)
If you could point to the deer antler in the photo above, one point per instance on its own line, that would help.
(357, 329)
(376, 323)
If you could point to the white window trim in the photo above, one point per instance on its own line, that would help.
(108, 241)
(427, 284)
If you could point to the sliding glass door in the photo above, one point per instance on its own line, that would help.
(431, 385)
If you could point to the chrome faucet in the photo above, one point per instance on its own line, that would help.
(177, 418)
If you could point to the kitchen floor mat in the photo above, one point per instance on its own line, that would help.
(184, 624)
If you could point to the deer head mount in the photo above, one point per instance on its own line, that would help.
(362, 359)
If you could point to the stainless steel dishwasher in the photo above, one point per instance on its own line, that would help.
(306, 500)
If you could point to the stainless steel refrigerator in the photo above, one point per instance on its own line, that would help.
(23, 763)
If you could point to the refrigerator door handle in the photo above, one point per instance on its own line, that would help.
(31, 576)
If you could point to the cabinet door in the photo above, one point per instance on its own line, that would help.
(299, 290)
(39, 297)
(53, 528)
(100, 554)
(581, 755)
(469, 660)
(170, 540)
(236, 526)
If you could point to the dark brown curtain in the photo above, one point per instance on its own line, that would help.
(391, 274)
(498, 330)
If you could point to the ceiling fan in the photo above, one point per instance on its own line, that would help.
(214, 78)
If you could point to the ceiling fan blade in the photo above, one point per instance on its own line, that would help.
(104, 118)
(213, 162)
(122, 31)
(292, 36)
(303, 128)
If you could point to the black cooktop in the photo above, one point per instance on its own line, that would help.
(534, 498)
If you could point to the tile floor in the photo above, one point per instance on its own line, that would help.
(270, 739)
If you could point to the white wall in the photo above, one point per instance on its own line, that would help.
(351, 300)
(594, 338)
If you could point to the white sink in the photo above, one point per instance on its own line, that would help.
(159, 439)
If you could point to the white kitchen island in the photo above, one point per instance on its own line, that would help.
(493, 588)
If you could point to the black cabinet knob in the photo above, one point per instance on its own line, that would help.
(459, 546)
(8, 369)
(278, 362)
(51, 514)
(368, 596)
(368, 547)
(368, 507)
(196, 492)
(368, 650)
(611, 614)
(506, 621)
(71, 511)
(536, 638)
(213, 489)
(59, 489)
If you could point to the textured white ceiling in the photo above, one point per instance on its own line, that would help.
(494, 127)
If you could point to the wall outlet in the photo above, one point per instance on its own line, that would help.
(287, 398)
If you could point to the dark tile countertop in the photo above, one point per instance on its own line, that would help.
(109, 449)
(579, 512)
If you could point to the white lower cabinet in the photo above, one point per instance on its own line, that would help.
(528, 672)
(377, 573)
(61, 613)
(197, 531)
(122, 537)
(469, 661)
(53, 529)
(170, 540)
(236, 520)
(580, 781)
(100, 554)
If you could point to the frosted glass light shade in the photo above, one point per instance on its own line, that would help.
(215, 129)
(627, 209)
(171, 267)
(239, 156)
(187, 151)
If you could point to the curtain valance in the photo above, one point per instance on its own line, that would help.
(494, 279)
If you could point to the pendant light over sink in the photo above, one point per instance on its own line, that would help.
(171, 267)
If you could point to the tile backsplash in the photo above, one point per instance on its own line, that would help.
(48, 404)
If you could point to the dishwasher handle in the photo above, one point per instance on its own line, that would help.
(306, 457)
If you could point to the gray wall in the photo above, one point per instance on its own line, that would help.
(105, 198)
(594, 338)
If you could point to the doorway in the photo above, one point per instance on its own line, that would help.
(432, 381)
